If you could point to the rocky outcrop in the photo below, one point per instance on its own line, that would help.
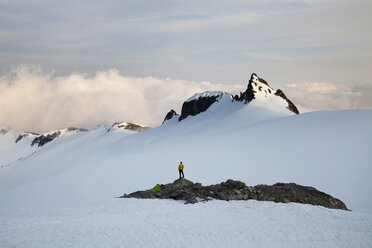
(291, 106)
(130, 126)
(291, 192)
(249, 94)
(183, 189)
(21, 136)
(170, 115)
(71, 129)
(46, 138)
(27, 134)
(197, 105)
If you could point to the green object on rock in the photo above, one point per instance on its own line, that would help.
(157, 188)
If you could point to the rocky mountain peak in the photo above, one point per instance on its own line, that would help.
(256, 79)
(259, 88)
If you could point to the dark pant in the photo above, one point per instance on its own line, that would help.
(181, 172)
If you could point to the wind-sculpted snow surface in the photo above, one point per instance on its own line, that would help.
(167, 223)
(329, 150)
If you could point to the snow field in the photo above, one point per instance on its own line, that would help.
(328, 150)
(63, 195)
(168, 223)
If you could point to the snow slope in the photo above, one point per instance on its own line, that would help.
(73, 181)
(12, 152)
(327, 149)
(167, 223)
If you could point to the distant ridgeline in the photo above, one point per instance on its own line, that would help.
(257, 88)
(40, 140)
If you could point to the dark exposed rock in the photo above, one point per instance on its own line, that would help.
(247, 95)
(261, 80)
(130, 126)
(170, 115)
(21, 136)
(197, 106)
(291, 106)
(291, 192)
(43, 139)
(76, 129)
(3, 131)
(183, 189)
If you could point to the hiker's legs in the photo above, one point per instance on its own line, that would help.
(180, 171)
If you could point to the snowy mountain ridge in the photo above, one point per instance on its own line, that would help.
(258, 92)
(36, 139)
(16, 147)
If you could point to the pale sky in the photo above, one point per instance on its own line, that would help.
(318, 52)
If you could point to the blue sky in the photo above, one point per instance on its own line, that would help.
(292, 44)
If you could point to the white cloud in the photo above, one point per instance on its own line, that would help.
(321, 95)
(32, 99)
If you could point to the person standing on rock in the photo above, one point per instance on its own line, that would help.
(180, 169)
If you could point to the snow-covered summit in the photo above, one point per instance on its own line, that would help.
(217, 94)
(258, 94)
(263, 94)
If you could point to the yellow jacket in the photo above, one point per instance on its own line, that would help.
(180, 167)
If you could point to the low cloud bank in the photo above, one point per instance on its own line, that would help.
(312, 96)
(32, 99)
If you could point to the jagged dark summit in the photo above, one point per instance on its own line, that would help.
(183, 189)
(256, 86)
(248, 95)
(253, 85)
